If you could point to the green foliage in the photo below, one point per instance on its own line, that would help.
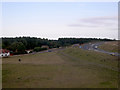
(17, 47)
(37, 49)
(22, 43)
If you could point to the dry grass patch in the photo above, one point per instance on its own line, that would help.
(111, 46)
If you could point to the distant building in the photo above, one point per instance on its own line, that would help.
(45, 46)
(4, 53)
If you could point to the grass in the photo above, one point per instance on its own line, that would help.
(70, 68)
(92, 56)
(111, 46)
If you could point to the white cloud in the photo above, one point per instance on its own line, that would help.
(93, 22)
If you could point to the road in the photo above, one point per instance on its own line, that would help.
(88, 46)
(49, 50)
(94, 46)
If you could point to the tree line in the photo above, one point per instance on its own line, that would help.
(20, 44)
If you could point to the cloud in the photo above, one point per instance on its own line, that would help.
(114, 28)
(97, 22)
(80, 25)
(99, 19)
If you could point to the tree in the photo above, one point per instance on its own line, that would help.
(37, 49)
(17, 48)
(16, 43)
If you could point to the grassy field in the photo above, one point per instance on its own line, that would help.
(69, 68)
(110, 46)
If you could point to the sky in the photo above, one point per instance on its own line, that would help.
(55, 20)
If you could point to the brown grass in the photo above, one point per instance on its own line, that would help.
(111, 46)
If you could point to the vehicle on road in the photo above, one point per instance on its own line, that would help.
(113, 54)
(96, 47)
(49, 50)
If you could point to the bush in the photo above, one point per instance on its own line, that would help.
(37, 49)
(17, 48)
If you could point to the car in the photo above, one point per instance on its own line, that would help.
(112, 54)
(49, 51)
(96, 47)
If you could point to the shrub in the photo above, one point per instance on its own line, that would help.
(37, 49)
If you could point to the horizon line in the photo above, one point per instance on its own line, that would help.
(56, 38)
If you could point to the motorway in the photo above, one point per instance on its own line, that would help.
(94, 46)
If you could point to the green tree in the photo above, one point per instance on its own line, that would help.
(37, 49)
(17, 47)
